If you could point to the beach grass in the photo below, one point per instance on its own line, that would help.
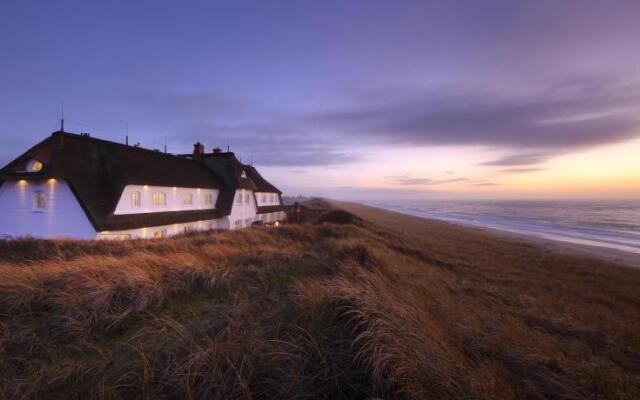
(353, 304)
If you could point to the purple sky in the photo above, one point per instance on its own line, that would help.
(297, 87)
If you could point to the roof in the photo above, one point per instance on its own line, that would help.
(261, 184)
(98, 170)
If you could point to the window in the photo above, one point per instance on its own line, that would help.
(237, 224)
(208, 199)
(39, 201)
(135, 199)
(247, 222)
(263, 198)
(188, 229)
(34, 166)
(160, 233)
(243, 175)
(246, 198)
(238, 198)
(187, 199)
(159, 199)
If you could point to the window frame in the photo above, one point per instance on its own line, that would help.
(207, 200)
(39, 201)
(187, 199)
(156, 197)
(136, 199)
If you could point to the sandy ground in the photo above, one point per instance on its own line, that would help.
(409, 224)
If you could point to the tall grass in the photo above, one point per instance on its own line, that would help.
(334, 311)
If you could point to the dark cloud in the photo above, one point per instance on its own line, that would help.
(573, 115)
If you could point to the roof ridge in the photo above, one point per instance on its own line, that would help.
(127, 146)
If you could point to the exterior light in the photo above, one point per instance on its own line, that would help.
(277, 223)
(22, 182)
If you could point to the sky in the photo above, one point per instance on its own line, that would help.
(347, 99)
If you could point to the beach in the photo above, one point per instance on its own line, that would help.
(423, 226)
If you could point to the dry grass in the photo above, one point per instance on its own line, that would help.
(335, 311)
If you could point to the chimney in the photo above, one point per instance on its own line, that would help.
(198, 151)
(217, 150)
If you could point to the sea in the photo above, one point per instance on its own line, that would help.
(613, 224)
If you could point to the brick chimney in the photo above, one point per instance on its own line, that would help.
(198, 151)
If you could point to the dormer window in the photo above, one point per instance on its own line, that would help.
(34, 166)
(243, 175)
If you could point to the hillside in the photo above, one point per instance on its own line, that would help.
(344, 305)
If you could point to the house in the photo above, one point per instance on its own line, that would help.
(77, 186)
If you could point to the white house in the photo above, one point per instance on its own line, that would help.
(80, 187)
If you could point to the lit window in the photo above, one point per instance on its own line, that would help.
(39, 201)
(159, 199)
(34, 166)
(187, 199)
(208, 199)
(135, 199)
(160, 233)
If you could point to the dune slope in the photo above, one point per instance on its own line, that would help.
(340, 309)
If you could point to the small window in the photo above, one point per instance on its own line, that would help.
(208, 199)
(237, 224)
(39, 201)
(187, 199)
(160, 233)
(263, 198)
(135, 199)
(159, 199)
(34, 166)
(247, 222)
(246, 198)
(238, 198)
(188, 229)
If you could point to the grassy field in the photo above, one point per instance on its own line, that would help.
(339, 307)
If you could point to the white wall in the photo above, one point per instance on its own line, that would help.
(242, 213)
(174, 199)
(62, 217)
(267, 199)
(169, 230)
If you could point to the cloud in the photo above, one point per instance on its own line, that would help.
(520, 170)
(571, 115)
(484, 184)
(517, 159)
(406, 180)
(530, 128)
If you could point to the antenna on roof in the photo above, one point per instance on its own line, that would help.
(126, 134)
(62, 119)
(227, 145)
(165, 144)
